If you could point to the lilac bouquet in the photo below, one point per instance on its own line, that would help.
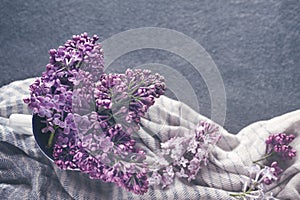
(93, 119)
(267, 170)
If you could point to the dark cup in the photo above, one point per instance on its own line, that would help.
(42, 138)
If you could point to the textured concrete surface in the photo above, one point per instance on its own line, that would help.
(255, 44)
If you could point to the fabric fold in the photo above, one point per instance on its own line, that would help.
(25, 173)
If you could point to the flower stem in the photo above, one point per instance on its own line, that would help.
(243, 194)
(263, 158)
(237, 195)
(50, 140)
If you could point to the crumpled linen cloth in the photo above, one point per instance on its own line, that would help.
(25, 173)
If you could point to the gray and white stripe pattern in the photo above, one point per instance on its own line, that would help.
(25, 173)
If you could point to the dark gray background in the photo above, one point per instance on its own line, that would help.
(255, 44)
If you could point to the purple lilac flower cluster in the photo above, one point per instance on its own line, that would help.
(51, 96)
(92, 116)
(128, 96)
(187, 154)
(277, 146)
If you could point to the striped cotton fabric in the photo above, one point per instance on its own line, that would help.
(25, 173)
